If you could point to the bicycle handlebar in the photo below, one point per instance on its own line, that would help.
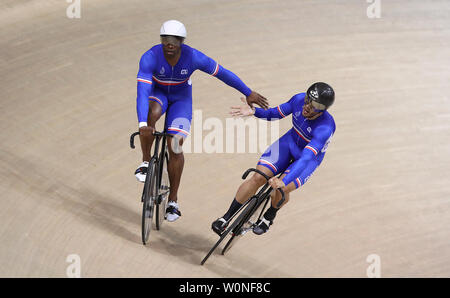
(132, 139)
(254, 170)
(267, 178)
(156, 134)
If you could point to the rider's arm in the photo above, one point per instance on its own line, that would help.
(275, 113)
(208, 65)
(144, 86)
(322, 134)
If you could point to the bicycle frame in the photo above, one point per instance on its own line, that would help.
(265, 188)
(244, 216)
(159, 137)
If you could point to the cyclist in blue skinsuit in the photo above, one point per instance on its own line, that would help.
(296, 154)
(164, 85)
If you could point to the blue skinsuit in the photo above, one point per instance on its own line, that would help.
(171, 87)
(301, 150)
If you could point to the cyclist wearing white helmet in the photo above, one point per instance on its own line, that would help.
(164, 85)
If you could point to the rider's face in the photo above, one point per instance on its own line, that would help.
(309, 111)
(171, 45)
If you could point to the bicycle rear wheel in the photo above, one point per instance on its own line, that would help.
(148, 198)
(163, 193)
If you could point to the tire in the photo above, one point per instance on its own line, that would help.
(148, 198)
(163, 193)
(235, 225)
(226, 232)
(215, 246)
(245, 220)
(229, 244)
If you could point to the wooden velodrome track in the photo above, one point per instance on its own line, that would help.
(68, 89)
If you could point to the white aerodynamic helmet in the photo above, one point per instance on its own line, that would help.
(174, 28)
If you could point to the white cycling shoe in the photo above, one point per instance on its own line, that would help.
(172, 212)
(141, 172)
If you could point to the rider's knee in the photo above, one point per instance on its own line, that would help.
(258, 179)
(176, 146)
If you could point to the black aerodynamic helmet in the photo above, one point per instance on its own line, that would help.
(321, 94)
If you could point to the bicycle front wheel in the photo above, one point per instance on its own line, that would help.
(148, 198)
(236, 227)
(235, 223)
(246, 221)
(163, 194)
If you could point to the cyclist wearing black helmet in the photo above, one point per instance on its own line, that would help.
(296, 154)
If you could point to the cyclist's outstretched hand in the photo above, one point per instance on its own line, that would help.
(242, 110)
(256, 98)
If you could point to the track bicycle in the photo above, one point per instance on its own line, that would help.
(252, 211)
(156, 186)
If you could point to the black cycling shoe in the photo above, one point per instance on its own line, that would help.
(219, 226)
(262, 226)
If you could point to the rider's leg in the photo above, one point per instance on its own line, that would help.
(178, 124)
(154, 113)
(263, 224)
(276, 197)
(157, 107)
(175, 169)
(247, 189)
(274, 160)
(175, 166)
